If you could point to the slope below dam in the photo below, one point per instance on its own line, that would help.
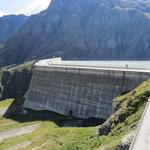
(82, 89)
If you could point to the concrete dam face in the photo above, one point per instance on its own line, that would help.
(81, 90)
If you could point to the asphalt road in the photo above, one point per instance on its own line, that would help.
(98, 65)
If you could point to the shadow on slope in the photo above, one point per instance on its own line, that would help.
(15, 112)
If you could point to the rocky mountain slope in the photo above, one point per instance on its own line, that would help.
(15, 80)
(9, 25)
(83, 29)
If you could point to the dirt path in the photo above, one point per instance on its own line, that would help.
(18, 131)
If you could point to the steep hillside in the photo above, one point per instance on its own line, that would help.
(115, 134)
(9, 25)
(15, 80)
(83, 29)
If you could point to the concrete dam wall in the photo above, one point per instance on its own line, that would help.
(82, 91)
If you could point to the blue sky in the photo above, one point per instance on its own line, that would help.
(26, 7)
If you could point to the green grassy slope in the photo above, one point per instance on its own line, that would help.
(49, 136)
(26, 65)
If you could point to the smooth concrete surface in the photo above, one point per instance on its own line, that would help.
(48, 62)
(99, 68)
(81, 91)
(142, 138)
(123, 65)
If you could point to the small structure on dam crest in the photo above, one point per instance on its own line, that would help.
(82, 89)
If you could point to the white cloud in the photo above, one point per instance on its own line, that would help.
(35, 7)
(2, 14)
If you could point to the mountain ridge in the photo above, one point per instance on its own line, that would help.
(9, 24)
(83, 29)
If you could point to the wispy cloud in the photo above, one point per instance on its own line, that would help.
(2, 14)
(35, 7)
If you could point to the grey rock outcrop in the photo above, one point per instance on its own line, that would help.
(126, 141)
(83, 29)
(14, 84)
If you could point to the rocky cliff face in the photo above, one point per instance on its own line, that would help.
(9, 25)
(84, 29)
(14, 84)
